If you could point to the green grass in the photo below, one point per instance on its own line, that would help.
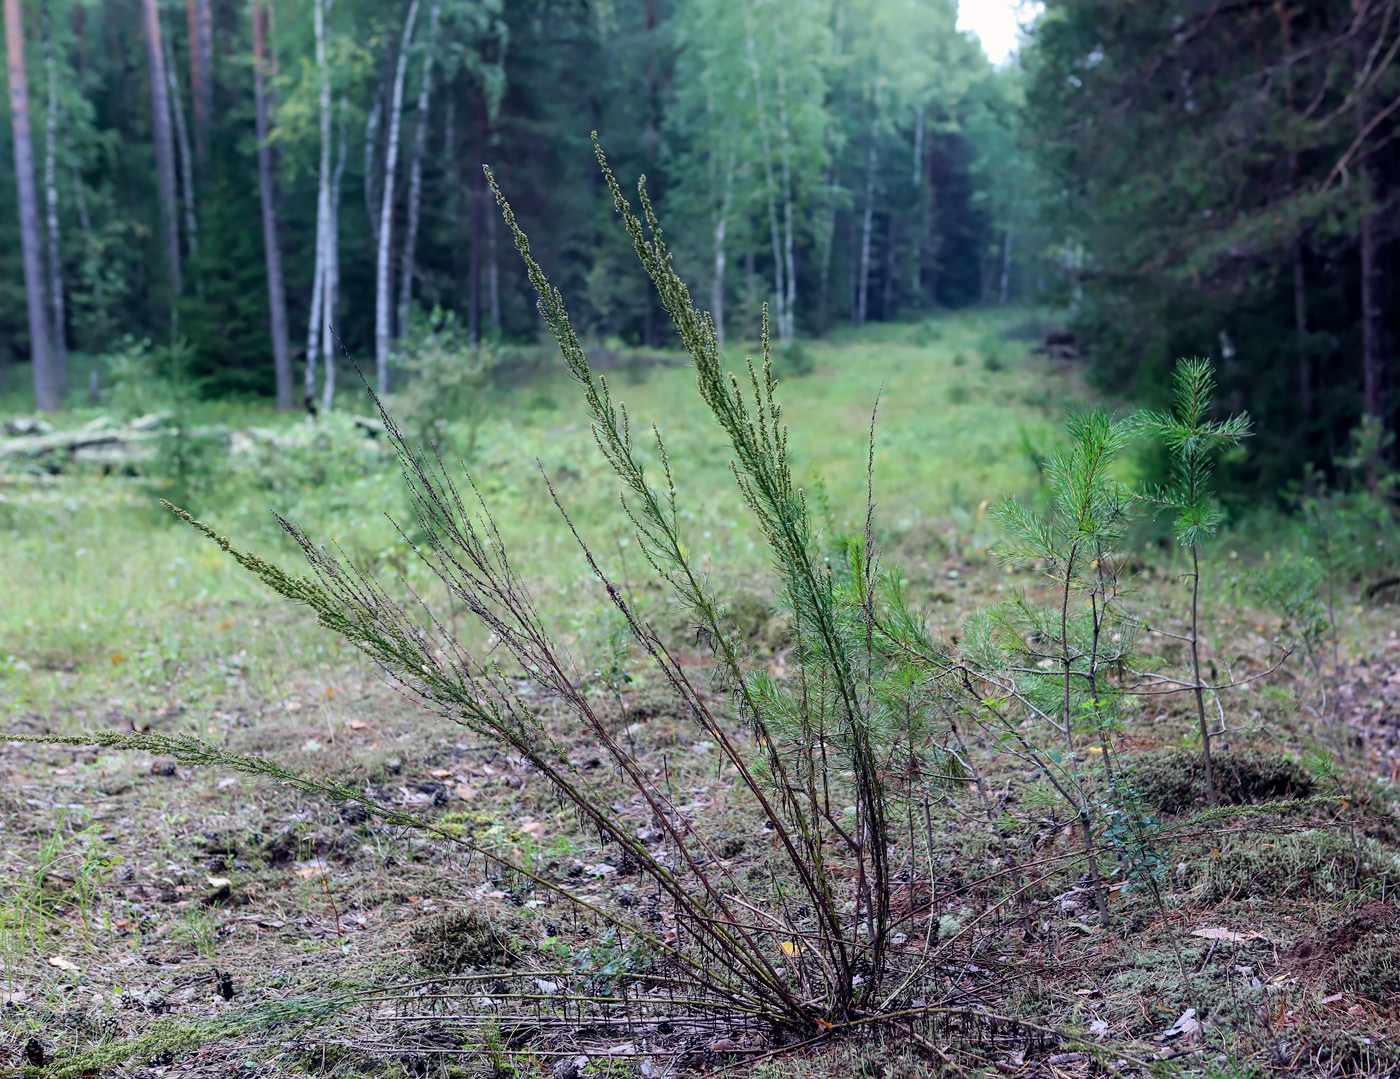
(122, 607)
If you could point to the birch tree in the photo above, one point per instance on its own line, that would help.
(165, 153)
(318, 324)
(766, 156)
(182, 144)
(383, 280)
(330, 305)
(46, 386)
(415, 173)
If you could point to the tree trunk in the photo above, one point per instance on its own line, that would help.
(182, 144)
(58, 339)
(779, 291)
(383, 283)
(317, 318)
(415, 172)
(165, 152)
(478, 197)
(887, 285)
(371, 164)
(276, 295)
(201, 28)
(1377, 344)
(788, 330)
(453, 171)
(330, 274)
(1375, 341)
(867, 220)
(930, 228)
(721, 199)
(717, 280)
(92, 271)
(1302, 327)
(828, 245)
(493, 273)
(46, 389)
(721, 226)
(1004, 290)
(916, 249)
(313, 316)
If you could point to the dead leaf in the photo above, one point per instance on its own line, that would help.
(1216, 932)
(439, 773)
(217, 882)
(789, 948)
(465, 792)
(314, 868)
(63, 964)
(14, 996)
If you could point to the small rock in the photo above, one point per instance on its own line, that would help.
(570, 1067)
(353, 813)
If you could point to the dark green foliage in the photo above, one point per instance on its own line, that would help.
(1201, 195)
(1173, 780)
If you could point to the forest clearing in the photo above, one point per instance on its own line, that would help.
(678, 538)
(141, 881)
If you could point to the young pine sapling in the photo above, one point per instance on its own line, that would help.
(1192, 439)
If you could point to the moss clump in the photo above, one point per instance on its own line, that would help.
(752, 615)
(1308, 863)
(1373, 970)
(458, 941)
(1174, 780)
(653, 702)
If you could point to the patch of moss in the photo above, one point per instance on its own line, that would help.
(1308, 863)
(1372, 970)
(753, 616)
(458, 941)
(654, 702)
(1174, 780)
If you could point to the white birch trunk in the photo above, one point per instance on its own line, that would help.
(182, 146)
(721, 198)
(383, 283)
(787, 328)
(316, 323)
(330, 306)
(371, 162)
(863, 289)
(779, 292)
(415, 173)
(721, 223)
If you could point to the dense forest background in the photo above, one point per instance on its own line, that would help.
(278, 186)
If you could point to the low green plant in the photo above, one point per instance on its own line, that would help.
(1193, 440)
(445, 383)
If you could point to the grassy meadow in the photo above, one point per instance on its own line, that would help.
(135, 889)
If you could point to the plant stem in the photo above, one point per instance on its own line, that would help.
(1211, 796)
